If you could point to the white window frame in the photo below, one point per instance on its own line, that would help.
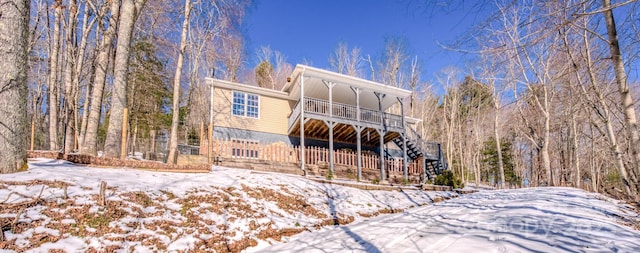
(245, 104)
(244, 152)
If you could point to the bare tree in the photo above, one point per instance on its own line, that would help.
(532, 60)
(101, 64)
(173, 148)
(450, 112)
(345, 61)
(69, 102)
(53, 76)
(14, 35)
(414, 81)
(231, 53)
(623, 88)
(128, 15)
(594, 97)
(395, 54)
(87, 27)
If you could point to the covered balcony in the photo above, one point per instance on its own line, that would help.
(347, 119)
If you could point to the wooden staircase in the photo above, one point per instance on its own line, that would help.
(430, 152)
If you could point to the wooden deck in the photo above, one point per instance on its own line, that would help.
(319, 109)
(317, 112)
(344, 133)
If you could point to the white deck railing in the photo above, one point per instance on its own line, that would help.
(345, 112)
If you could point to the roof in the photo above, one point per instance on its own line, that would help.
(248, 88)
(342, 91)
(315, 80)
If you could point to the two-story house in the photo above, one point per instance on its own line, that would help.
(320, 108)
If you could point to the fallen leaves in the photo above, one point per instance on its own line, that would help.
(220, 219)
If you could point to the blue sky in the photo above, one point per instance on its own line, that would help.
(310, 30)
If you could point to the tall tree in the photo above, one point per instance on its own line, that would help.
(128, 15)
(14, 20)
(391, 64)
(69, 105)
(101, 64)
(345, 61)
(172, 158)
(87, 27)
(53, 76)
(623, 88)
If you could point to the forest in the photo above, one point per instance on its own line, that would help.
(547, 97)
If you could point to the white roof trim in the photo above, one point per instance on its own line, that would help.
(248, 88)
(345, 79)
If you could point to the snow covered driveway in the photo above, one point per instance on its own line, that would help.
(525, 220)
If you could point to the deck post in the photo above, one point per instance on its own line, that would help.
(358, 129)
(301, 104)
(381, 132)
(330, 124)
(424, 169)
(359, 150)
(383, 176)
(331, 153)
(405, 170)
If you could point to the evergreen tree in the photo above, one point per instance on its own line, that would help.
(490, 162)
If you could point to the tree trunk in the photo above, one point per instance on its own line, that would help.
(101, 65)
(544, 150)
(134, 139)
(605, 116)
(53, 77)
(173, 139)
(113, 142)
(69, 104)
(497, 136)
(86, 29)
(574, 129)
(152, 136)
(546, 139)
(625, 96)
(14, 20)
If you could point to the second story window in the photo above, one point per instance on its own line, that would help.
(246, 105)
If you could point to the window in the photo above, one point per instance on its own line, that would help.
(247, 149)
(246, 105)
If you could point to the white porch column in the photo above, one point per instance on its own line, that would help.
(381, 133)
(330, 124)
(301, 104)
(358, 129)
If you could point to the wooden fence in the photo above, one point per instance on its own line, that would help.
(280, 152)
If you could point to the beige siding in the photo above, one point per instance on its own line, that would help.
(273, 113)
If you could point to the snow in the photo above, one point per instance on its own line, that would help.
(525, 220)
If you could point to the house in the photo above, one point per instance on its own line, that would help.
(323, 109)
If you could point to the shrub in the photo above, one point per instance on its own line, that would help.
(447, 178)
(329, 175)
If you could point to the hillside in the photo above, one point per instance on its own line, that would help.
(58, 206)
(523, 220)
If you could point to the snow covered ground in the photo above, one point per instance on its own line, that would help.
(525, 220)
(231, 210)
(57, 208)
